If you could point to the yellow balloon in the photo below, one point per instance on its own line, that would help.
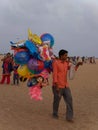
(34, 37)
(29, 75)
(29, 34)
(23, 70)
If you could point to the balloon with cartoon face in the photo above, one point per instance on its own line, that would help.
(47, 38)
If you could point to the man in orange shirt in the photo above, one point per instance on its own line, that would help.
(60, 85)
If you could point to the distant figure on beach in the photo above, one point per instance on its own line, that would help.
(15, 74)
(60, 85)
(90, 60)
(94, 60)
(7, 68)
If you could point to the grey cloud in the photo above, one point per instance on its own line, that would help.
(74, 24)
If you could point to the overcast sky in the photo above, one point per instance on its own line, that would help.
(73, 23)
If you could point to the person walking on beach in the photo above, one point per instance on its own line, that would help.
(60, 85)
(15, 74)
(7, 68)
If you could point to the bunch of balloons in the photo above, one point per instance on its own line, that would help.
(34, 57)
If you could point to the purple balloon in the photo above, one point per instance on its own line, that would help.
(35, 66)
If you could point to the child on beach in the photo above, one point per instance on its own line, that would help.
(15, 74)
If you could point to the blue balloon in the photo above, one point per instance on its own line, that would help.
(22, 57)
(46, 37)
(32, 49)
(48, 65)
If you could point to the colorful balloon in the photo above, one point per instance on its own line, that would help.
(23, 70)
(35, 66)
(33, 49)
(32, 81)
(34, 37)
(47, 39)
(44, 52)
(17, 44)
(48, 65)
(22, 57)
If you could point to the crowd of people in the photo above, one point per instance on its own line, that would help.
(9, 66)
(84, 59)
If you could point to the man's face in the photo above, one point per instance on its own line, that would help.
(64, 57)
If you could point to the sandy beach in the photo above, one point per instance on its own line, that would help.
(19, 112)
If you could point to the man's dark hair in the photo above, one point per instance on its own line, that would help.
(62, 52)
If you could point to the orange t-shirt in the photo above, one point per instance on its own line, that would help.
(60, 73)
